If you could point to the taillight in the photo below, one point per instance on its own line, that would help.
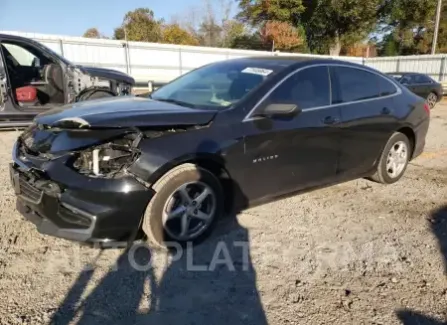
(427, 108)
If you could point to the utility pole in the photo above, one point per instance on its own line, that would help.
(435, 36)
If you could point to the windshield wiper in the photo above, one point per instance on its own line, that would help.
(175, 101)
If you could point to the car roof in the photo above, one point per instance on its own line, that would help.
(296, 61)
(14, 37)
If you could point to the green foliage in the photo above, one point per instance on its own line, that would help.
(256, 12)
(140, 25)
(174, 34)
(327, 23)
(92, 33)
(232, 30)
(210, 34)
(319, 26)
(411, 24)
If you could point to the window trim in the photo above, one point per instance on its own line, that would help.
(249, 117)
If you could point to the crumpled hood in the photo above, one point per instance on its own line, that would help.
(123, 112)
(108, 74)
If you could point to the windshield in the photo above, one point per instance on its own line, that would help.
(218, 85)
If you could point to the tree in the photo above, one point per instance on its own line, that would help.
(232, 30)
(410, 25)
(118, 33)
(328, 24)
(93, 33)
(174, 34)
(282, 35)
(140, 25)
(332, 24)
(256, 12)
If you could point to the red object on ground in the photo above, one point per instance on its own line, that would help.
(26, 94)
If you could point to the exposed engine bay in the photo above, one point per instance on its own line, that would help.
(106, 160)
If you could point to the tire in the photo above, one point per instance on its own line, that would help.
(431, 100)
(155, 226)
(382, 174)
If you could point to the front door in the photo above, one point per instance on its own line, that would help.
(287, 154)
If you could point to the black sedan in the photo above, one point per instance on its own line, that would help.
(213, 141)
(422, 85)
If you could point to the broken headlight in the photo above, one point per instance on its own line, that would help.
(106, 160)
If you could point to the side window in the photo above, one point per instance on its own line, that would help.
(407, 80)
(307, 88)
(386, 87)
(356, 84)
(21, 55)
(422, 79)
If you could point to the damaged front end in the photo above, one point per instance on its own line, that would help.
(79, 183)
(74, 184)
(109, 159)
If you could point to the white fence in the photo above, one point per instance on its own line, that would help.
(163, 62)
(432, 65)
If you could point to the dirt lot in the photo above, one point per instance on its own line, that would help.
(356, 253)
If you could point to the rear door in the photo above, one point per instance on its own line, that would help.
(366, 101)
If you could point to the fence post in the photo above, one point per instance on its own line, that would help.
(397, 65)
(61, 46)
(126, 58)
(180, 62)
(441, 73)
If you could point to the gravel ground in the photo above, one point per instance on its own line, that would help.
(355, 253)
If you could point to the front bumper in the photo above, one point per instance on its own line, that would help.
(66, 204)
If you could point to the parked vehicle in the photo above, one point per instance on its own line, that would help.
(34, 79)
(422, 85)
(215, 140)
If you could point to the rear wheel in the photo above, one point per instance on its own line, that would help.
(432, 99)
(187, 202)
(394, 159)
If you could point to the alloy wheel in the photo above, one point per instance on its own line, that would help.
(431, 100)
(189, 211)
(397, 159)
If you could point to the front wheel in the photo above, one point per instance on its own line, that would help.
(187, 202)
(432, 99)
(394, 159)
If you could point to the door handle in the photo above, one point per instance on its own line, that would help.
(386, 111)
(330, 120)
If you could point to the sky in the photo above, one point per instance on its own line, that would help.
(74, 17)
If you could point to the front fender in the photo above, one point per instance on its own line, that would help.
(161, 154)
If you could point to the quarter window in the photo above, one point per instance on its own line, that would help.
(356, 84)
(307, 88)
(386, 87)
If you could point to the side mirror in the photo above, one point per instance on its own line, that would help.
(280, 111)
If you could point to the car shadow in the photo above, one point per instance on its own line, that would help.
(438, 220)
(213, 282)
